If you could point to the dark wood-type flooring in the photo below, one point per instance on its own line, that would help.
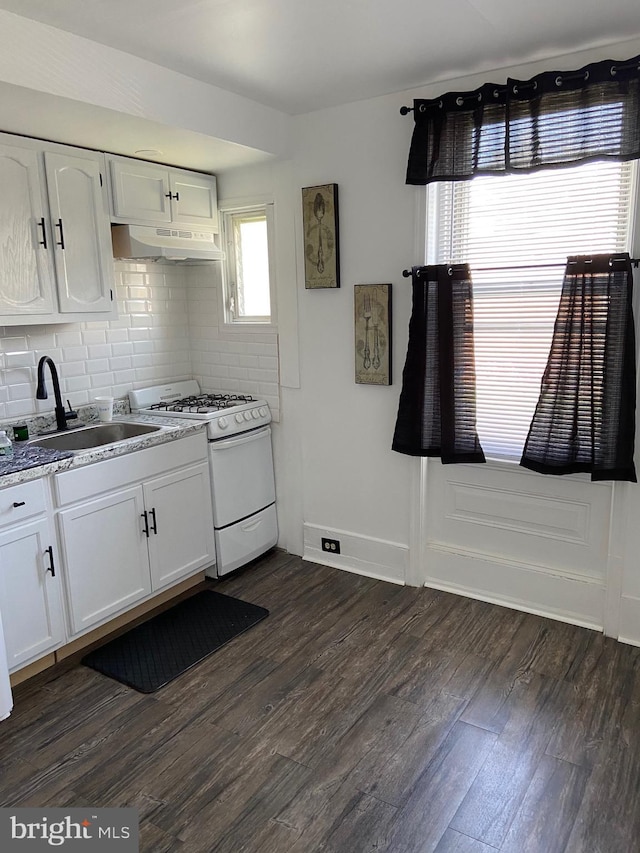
(360, 716)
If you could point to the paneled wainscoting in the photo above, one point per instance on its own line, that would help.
(360, 716)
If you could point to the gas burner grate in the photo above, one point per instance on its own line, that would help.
(202, 403)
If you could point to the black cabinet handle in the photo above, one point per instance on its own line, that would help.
(171, 195)
(146, 523)
(59, 225)
(41, 224)
(16, 504)
(177, 196)
(153, 515)
(52, 567)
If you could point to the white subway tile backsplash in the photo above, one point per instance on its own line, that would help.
(75, 353)
(20, 392)
(15, 343)
(117, 336)
(121, 362)
(17, 408)
(98, 365)
(94, 336)
(69, 339)
(78, 383)
(122, 348)
(20, 359)
(75, 368)
(167, 329)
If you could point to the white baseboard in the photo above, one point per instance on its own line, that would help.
(629, 624)
(362, 555)
(534, 589)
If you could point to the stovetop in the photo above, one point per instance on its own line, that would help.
(202, 403)
(226, 414)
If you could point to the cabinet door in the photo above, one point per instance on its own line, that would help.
(26, 269)
(30, 593)
(194, 200)
(140, 191)
(82, 234)
(105, 554)
(181, 524)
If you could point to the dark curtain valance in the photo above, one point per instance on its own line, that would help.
(554, 119)
(437, 408)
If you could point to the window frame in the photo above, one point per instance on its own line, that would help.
(430, 201)
(228, 212)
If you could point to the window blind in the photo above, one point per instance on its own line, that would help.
(519, 220)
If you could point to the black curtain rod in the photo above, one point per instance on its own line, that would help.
(560, 79)
(634, 261)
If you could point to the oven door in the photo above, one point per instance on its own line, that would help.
(241, 476)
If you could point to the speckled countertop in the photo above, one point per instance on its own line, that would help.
(31, 462)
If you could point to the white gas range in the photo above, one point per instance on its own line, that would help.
(241, 463)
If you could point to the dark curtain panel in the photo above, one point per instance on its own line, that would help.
(585, 416)
(553, 119)
(437, 409)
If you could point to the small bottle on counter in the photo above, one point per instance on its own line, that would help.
(6, 448)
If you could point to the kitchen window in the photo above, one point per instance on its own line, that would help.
(248, 290)
(512, 221)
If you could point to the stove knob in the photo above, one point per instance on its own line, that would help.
(247, 416)
(223, 423)
(255, 413)
(263, 412)
(239, 418)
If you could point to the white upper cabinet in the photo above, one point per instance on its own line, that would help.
(148, 194)
(82, 235)
(56, 261)
(26, 280)
(194, 199)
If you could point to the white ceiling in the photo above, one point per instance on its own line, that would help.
(303, 55)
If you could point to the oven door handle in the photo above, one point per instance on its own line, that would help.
(243, 438)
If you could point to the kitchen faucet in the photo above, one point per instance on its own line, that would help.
(41, 393)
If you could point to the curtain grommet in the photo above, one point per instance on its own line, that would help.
(459, 102)
(558, 81)
(423, 107)
(613, 71)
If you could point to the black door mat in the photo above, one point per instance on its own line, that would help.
(154, 653)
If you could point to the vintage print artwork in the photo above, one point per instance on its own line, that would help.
(372, 312)
(320, 224)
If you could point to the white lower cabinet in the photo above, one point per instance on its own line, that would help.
(152, 529)
(31, 600)
(105, 556)
(180, 526)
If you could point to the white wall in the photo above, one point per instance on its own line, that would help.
(147, 344)
(566, 548)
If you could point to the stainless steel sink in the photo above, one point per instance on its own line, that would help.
(93, 436)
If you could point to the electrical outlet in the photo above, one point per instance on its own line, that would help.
(332, 546)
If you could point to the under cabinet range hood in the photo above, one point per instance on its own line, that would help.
(150, 242)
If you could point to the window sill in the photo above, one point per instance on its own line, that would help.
(249, 328)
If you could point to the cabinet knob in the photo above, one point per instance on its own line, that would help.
(16, 504)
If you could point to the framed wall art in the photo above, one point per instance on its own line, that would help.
(321, 245)
(372, 322)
